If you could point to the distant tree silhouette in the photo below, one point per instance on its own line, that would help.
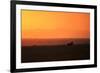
(70, 43)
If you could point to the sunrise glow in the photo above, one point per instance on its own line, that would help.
(49, 24)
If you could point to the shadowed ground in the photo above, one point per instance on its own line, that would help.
(55, 53)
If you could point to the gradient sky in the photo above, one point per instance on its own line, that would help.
(48, 24)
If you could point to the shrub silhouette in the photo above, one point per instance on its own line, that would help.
(70, 43)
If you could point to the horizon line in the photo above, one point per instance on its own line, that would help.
(55, 38)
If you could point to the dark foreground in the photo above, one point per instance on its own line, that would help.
(55, 53)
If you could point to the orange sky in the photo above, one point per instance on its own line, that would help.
(46, 24)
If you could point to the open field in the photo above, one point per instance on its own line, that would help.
(55, 53)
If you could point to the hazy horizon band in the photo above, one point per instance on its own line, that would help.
(37, 42)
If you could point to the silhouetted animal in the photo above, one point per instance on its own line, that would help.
(70, 43)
